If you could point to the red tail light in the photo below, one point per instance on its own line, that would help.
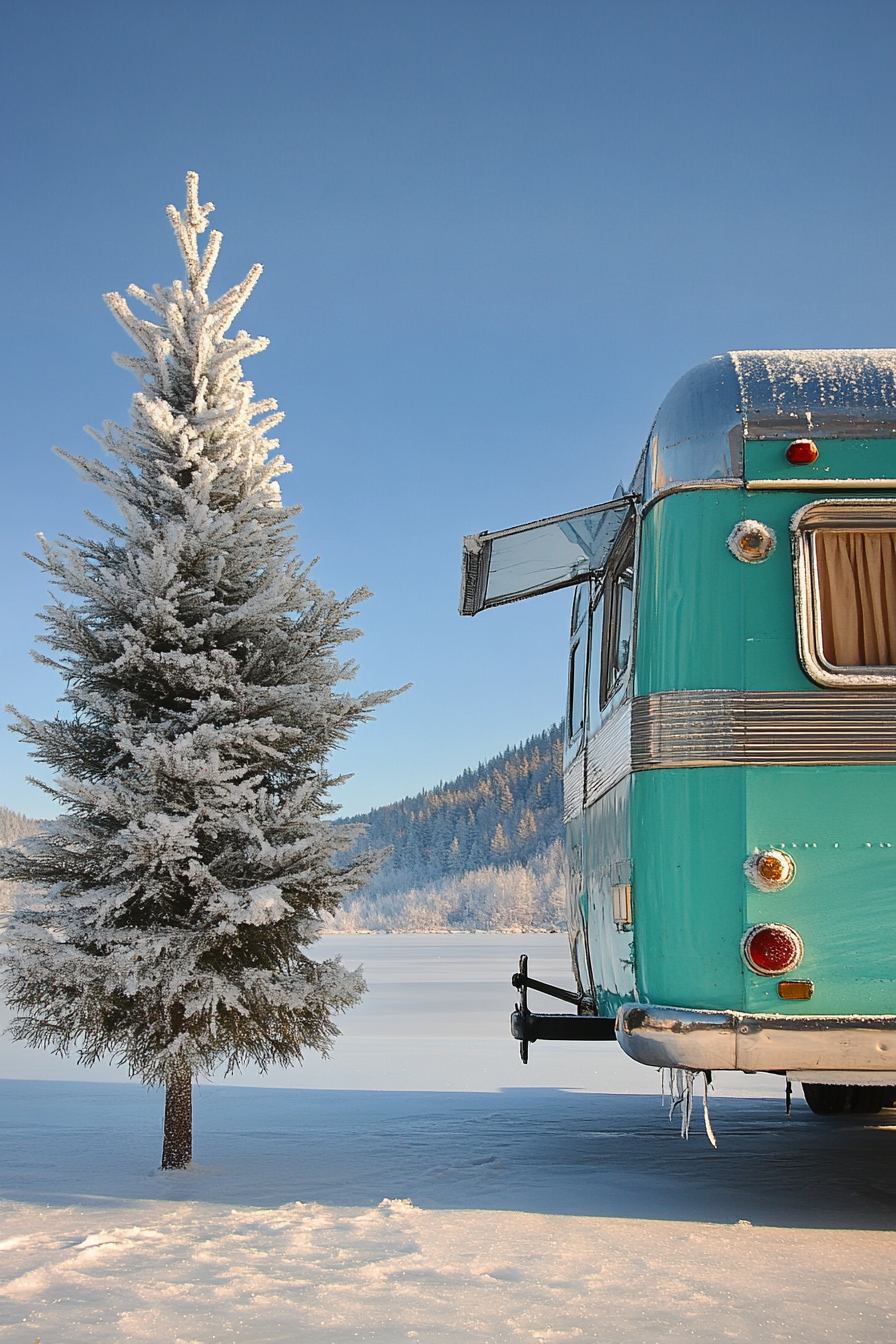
(772, 949)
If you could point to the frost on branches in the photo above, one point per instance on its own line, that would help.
(194, 857)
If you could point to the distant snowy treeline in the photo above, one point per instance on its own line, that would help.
(481, 852)
(13, 825)
(514, 898)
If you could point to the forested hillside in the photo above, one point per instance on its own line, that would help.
(501, 813)
(482, 851)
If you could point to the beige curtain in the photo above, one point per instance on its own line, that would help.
(857, 588)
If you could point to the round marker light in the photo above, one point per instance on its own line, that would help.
(772, 949)
(770, 869)
(801, 451)
(751, 541)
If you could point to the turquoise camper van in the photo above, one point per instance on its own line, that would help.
(730, 729)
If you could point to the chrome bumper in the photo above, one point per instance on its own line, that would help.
(691, 1038)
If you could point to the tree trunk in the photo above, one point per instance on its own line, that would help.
(177, 1148)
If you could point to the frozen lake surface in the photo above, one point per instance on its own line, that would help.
(422, 1184)
(436, 1017)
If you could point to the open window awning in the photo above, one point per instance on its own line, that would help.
(539, 557)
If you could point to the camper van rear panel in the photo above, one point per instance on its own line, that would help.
(759, 760)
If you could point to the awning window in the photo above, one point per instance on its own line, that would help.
(539, 557)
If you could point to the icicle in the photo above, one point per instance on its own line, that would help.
(687, 1109)
(707, 1078)
(682, 1095)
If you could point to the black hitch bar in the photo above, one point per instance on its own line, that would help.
(523, 981)
(581, 1026)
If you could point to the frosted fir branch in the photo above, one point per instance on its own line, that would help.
(260, 407)
(226, 308)
(144, 333)
(222, 1015)
(157, 302)
(278, 466)
(143, 369)
(113, 529)
(209, 257)
(225, 360)
(188, 224)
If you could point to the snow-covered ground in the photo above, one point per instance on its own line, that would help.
(422, 1184)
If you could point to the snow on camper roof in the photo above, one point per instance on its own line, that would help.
(699, 431)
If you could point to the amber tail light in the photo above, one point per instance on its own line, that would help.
(795, 989)
(770, 869)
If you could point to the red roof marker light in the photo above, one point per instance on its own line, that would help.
(801, 452)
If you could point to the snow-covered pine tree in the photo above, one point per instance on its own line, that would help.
(193, 858)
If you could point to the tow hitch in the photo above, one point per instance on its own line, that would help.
(583, 1025)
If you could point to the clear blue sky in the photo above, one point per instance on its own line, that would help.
(494, 233)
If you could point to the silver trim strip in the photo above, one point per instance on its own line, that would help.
(691, 1038)
(709, 728)
(715, 483)
(816, 483)
(812, 484)
(609, 754)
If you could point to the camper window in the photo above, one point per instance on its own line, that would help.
(594, 663)
(579, 606)
(857, 597)
(618, 621)
(575, 709)
(846, 577)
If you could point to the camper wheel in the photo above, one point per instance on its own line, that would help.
(870, 1100)
(834, 1099)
